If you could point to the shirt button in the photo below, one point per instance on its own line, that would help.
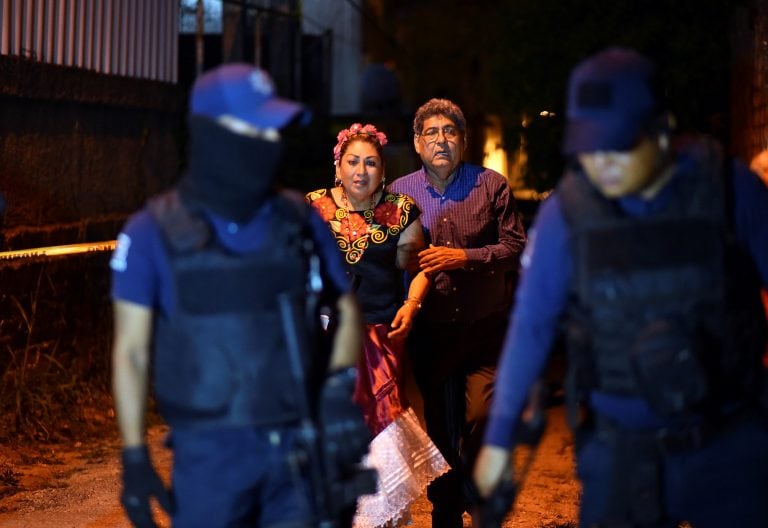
(455, 288)
(445, 219)
(447, 243)
(232, 228)
(457, 309)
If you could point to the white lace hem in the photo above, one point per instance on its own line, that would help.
(406, 461)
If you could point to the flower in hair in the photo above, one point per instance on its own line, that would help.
(356, 129)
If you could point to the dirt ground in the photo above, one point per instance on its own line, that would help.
(77, 486)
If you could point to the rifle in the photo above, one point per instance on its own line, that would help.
(334, 495)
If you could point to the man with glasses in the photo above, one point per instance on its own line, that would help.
(475, 237)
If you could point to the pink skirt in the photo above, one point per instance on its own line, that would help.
(403, 455)
(379, 384)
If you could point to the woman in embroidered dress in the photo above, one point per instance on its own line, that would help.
(379, 235)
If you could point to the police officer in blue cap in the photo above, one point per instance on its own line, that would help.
(203, 277)
(650, 254)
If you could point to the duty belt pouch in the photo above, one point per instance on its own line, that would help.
(636, 487)
(669, 375)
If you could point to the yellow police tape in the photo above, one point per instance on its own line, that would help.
(55, 251)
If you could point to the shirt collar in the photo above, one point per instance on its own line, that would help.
(428, 183)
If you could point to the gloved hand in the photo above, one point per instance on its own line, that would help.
(345, 435)
(140, 482)
(490, 512)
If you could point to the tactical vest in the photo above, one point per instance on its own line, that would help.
(220, 359)
(664, 307)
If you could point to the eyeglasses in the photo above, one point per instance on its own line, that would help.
(450, 133)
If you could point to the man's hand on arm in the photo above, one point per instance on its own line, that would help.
(441, 258)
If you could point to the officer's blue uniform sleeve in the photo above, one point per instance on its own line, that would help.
(751, 216)
(334, 269)
(135, 275)
(540, 302)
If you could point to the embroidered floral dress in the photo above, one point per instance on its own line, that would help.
(404, 456)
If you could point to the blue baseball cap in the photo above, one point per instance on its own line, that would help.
(242, 91)
(610, 100)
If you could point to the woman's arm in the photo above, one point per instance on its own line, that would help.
(404, 317)
(408, 246)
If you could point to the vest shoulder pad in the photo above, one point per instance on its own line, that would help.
(580, 202)
(293, 204)
(183, 230)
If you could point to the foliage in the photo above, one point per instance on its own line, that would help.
(9, 480)
(56, 330)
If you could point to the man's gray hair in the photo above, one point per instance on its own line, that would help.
(437, 107)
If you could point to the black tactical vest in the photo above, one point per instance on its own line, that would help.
(220, 359)
(664, 307)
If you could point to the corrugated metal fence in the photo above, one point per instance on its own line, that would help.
(135, 38)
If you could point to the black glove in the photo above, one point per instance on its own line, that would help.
(491, 511)
(345, 435)
(140, 482)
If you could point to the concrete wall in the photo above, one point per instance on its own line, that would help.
(343, 21)
(80, 150)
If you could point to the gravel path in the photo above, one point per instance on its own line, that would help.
(79, 488)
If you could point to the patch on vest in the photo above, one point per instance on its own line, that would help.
(119, 260)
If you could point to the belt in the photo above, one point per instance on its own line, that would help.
(670, 439)
(688, 438)
(683, 437)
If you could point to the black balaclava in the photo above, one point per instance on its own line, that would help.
(229, 174)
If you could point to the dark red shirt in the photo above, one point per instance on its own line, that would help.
(477, 213)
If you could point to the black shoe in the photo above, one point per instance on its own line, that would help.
(447, 520)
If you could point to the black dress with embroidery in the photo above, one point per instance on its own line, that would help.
(368, 240)
(402, 453)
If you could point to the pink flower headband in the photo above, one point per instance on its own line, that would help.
(356, 130)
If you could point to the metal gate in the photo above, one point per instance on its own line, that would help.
(135, 38)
